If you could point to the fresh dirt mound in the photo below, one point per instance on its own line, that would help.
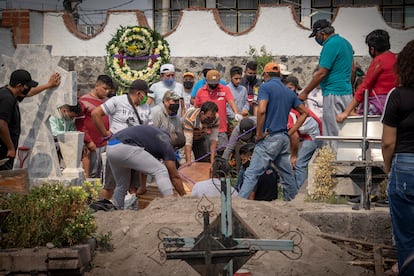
(135, 241)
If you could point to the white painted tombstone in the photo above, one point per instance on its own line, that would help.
(72, 155)
(42, 162)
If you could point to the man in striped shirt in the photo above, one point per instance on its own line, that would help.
(200, 126)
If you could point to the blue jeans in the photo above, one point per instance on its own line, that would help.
(273, 148)
(305, 153)
(401, 201)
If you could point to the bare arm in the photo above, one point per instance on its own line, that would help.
(188, 149)
(294, 147)
(213, 147)
(233, 106)
(182, 104)
(351, 106)
(389, 138)
(5, 137)
(149, 100)
(97, 115)
(176, 180)
(303, 113)
(261, 112)
(54, 81)
(318, 76)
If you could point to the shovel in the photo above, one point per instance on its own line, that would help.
(22, 155)
(3, 161)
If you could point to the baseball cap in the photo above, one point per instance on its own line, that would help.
(271, 67)
(213, 77)
(177, 139)
(139, 85)
(246, 124)
(23, 77)
(283, 69)
(319, 25)
(188, 74)
(167, 68)
(208, 66)
(171, 95)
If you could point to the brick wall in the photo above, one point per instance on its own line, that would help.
(19, 22)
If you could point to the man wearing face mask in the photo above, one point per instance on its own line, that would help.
(167, 82)
(380, 78)
(20, 86)
(266, 188)
(272, 135)
(123, 111)
(333, 75)
(215, 92)
(65, 122)
(200, 124)
(201, 82)
(252, 83)
(188, 83)
(164, 115)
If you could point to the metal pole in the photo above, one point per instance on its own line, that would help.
(365, 126)
(364, 203)
(226, 217)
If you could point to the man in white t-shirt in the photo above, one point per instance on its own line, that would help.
(167, 83)
(121, 113)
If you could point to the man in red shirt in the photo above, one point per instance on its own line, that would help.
(214, 91)
(94, 144)
(380, 78)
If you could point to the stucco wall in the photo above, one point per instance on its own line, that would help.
(200, 33)
(200, 37)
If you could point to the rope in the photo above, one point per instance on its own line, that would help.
(209, 153)
(136, 58)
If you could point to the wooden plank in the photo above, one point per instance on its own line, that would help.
(14, 181)
(344, 239)
(145, 199)
(378, 261)
(198, 171)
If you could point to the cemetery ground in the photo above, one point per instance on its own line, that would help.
(336, 240)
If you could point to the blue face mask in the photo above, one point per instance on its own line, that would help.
(169, 82)
(319, 40)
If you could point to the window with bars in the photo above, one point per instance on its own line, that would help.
(165, 18)
(397, 13)
(239, 15)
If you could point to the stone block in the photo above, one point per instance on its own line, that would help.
(64, 264)
(28, 260)
(58, 261)
(71, 258)
(84, 253)
(63, 253)
(6, 261)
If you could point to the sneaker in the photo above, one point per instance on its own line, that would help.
(354, 200)
(382, 203)
(131, 202)
(357, 199)
(102, 205)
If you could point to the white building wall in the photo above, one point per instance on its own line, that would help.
(199, 35)
(65, 43)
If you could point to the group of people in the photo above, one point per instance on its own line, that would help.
(272, 121)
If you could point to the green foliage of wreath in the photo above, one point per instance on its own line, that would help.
(136, 52)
